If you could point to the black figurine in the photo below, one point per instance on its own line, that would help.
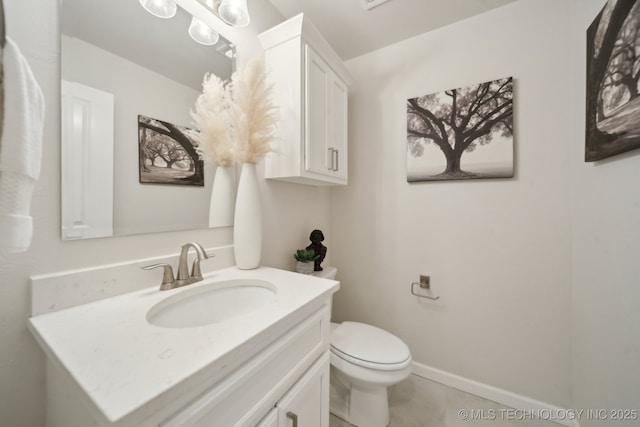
(317, 238)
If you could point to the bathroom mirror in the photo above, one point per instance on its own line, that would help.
(129, 82)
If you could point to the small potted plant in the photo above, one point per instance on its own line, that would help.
(305, 260)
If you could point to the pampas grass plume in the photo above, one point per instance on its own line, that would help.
(252, 113)
(211, 116)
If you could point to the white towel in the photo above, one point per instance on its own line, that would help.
(20, 149)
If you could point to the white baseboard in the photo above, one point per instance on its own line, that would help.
(504, 397)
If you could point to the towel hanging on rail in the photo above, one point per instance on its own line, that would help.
(3, 35)
(20, 149)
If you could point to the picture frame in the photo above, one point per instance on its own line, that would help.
(612, 124)
(462, 133)
(167, 154)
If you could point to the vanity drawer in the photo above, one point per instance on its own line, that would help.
(245, 395)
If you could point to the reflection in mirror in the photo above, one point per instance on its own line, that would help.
(119, 62)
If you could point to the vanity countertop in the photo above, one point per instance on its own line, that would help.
(122, 362)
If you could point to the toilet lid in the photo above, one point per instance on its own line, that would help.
(369, 344)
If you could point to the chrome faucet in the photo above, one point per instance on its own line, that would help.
(184, 277)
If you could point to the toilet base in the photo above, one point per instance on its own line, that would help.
(369, 407)
(361, 406)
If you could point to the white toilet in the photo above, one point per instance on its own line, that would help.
(365, 361)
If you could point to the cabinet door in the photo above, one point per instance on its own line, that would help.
(307, 403)
(317, 155)
(337, 118)
(271, 420)
(87, 162)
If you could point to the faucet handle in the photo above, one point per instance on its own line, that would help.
(196, 273)
(167, 278)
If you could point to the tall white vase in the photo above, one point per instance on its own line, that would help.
(247, 225)
(222, 205)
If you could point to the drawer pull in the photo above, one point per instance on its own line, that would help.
(294, 418)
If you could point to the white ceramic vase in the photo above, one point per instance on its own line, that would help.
(221, 206)
(247, 225)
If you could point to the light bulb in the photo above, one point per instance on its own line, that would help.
(234, 12)
(160, 8)
(202, 33)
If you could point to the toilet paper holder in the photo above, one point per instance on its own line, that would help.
(425, 283)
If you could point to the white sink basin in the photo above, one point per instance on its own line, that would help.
(211, 303)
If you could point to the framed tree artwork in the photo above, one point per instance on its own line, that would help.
(613, 72)
(167, 155)
(463, 133)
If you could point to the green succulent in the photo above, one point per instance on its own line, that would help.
(305, 255)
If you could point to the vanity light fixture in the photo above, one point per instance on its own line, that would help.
(160, 8)
(234, 12)
(202, 33)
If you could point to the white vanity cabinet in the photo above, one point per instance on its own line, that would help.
(291, 374)
(307, 403)
(311, 93)
(288, 379)
(265, 368)
(271, 420)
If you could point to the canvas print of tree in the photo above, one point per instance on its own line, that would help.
(613, 71)
(167, 154)
(464, 133)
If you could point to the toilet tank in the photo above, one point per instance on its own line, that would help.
(327, 273)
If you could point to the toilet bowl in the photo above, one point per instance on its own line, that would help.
(365, 361)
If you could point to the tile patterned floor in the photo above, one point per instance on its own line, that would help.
(418, 402)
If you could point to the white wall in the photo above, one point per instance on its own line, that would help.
(290, 213)
(502, 253)
(140, 208)
(605, 268)
(539, 274)
(498, 251)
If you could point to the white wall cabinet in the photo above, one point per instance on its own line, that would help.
(311, 93)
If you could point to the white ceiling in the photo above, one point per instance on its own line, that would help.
(124, 28)
(353, 31)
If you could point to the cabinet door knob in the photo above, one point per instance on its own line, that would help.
(336, 152)
(294, 418)
(330, 150)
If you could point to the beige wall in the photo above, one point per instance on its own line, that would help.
(290, 213)
(538, 274)
(498, 251)
(606, 267)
